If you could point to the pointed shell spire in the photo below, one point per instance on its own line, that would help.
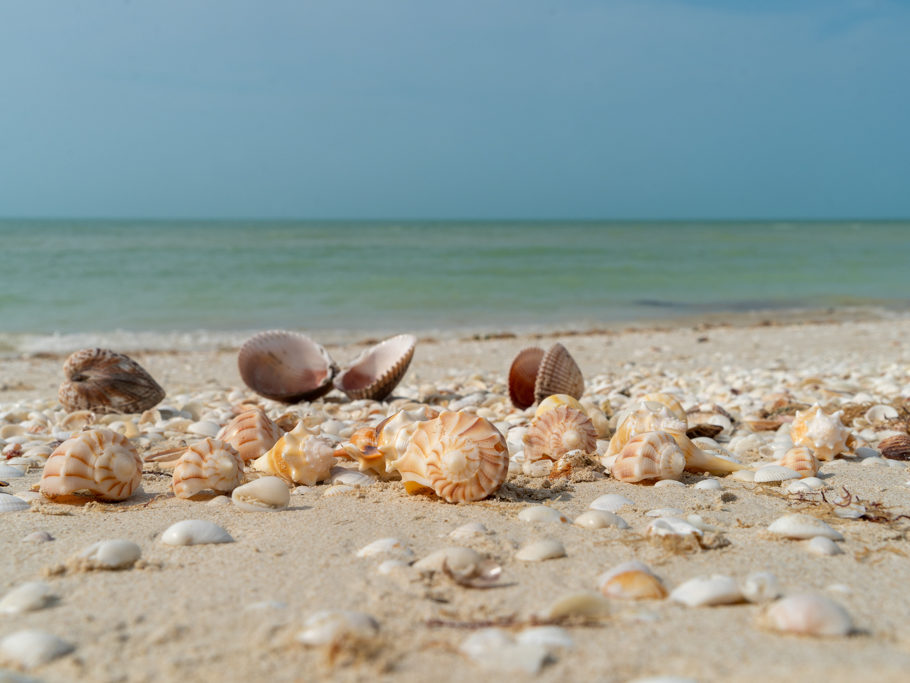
(825, 434)
(100, 461)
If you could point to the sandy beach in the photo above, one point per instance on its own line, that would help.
(233, 611)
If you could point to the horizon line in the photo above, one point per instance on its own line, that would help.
(299, 219)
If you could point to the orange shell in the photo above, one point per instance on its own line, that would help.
(101, 461)
(558, 431)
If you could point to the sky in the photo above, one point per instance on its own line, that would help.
(475, 109)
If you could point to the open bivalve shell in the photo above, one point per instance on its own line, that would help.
(379, 369)
(286, 366)
(104, 381)
(534, 375)
(100, 461)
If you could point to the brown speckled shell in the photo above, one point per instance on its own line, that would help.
(100, 461)
(105, 381)
(547, 435)
(251, 434)
(286, 366)
(896, 447)
(379, 369)
(207, 464)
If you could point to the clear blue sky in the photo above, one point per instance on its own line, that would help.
(466, 109)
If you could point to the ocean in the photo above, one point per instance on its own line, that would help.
(186, 284)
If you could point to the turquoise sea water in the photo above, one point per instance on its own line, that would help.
(65, 277)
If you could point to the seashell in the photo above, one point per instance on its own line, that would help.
(544, 549)
(761, 587)
(580, 604)
(266, 493)
(896, 447)
(825, 434)
(797, 486)
(378, 370)
(337, 627)
(558, 374)
(112, 554)
(765, 425)
(460, 456)
(801, 460)
(642, 420)
(704, 430)
(208, 464)
(666, 400)
(541, 513)
(708, 485)
(631, 581)
(373, 448)
(823, 546)
(802, 527)
(494, 649)
(347, 477)
(195, 532)
(37, 537)
(880, 413)
(649, 456)
(600, 519)
(100, 461)
(286, 366)
(204, 428)
(104, 381)
(774, 474)
(10, 472)
(27, 597)
(707, 591)
(251, 434)
(807, 614)
(557, 400)
(455, 558)
(549, 637)
(744, 475)
(557, 431)
(387, 547)
(12, 503)
(522, 376)
(611, 502)
(77, 420)
(672, 526)
(30, 648)
(468, 531)
(300, 456)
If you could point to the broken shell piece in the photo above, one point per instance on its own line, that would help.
(267, 493)
(774, 474)
(209, 464)
(631, 581)
(378, 370)
(707, 591)
(388, 548)
(286, 366)
(30, 648)
(896, 447)
(77, 420)
(27, 597)
(104, 381)
(112, 554)
(334, 627)
(803, 527)
(251, 434)
(761, 587)
(195, 532)
(672, 526)
(807, 614)
(544, 549)
(100, 461)
(648, 457)
(557, 431)
(300, 456)
(600, 519)
(800, 460)
(542, 513)
(825, 434)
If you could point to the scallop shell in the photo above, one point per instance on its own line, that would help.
(99, 460)
(632, 581)
(558, 374)
(825, 434)
(379, 369)
(460, 456)
(800, 460)
(104, 381)
(557, 431)
(286, 366)
(251, 434)
(299, 456)
(522, 375)
(208, 464)
(649, 456)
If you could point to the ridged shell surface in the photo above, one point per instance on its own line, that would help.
(825, 434)
(105, 381)
(669, 401)
(649, 456)
(523, 375)
(558, 374)
(100, 461)
(558, 431)
(800, 460)
(286, 366)
(208, 464)
(379, 369)
(299, 456)
(460, 456)
(251, 434)
(642, 420)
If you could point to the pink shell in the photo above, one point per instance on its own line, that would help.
(286, 366)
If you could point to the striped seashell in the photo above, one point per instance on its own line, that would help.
(251, 434)
(825, 434)
(668, 401)
(104, 381)
(299, 456)
(460, 456)
(373, 448)
(378, 370)
(558, 374)
(558, 431)
(651, 456)
(801, 460)
(207, 464)
(644, 419)
(99, 460)
(286, 366)
(632, 581)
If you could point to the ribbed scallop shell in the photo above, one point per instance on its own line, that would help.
(644, 419)
(522, 375)
(556, 432)
(299, 456)
(286, 366)
(825, 434)
(207, 464)
(251, 434)
(99, 460)
(105, 381)
(649, 456)
(558, 374)
(379, 369)
(460, 456)
(800, 459)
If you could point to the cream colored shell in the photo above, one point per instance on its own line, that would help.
(642, 420)
(99, 460)
(460, 456)
(800, 459)
(825, 434)
(651, 456)
(668, 401)
(374, 448)
(299, 456)
(556, 400)
(251, 434)
(557, 431)
(207, 464)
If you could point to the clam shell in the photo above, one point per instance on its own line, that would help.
(12, 503)
(378, 370)
(387, 547)
(600, 519)
(195, 532)
(207, 464)
(251, 434)
(558, 374)
(800, 460)
(896, 447)
(104, 381)
(774, 474)
(544, 549)
(455, 558)
(111, 554)
(610, 502)
(286, 366)
(542, 513)
(267, 493)
(26, 597)
(631, 581)
(99, 460)
(802, 527)
(522, 376)
(706, 591)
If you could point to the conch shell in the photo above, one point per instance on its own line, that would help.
(251, 434)
(553, 372)
(299, 456)
(379, 369)
(207, 464)
(825, 434)
(646, 418)
(460, 456)
(105, 381)
(286, 366)
(99, 460)
(374, 447)
(649, 456)
(557, 431)
(668, 401)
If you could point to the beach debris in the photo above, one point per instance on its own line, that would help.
(807, 614)
(556, 431)
(895, 447)
(774, 474)
(378, 370)
(208, 464)
(387, 547)
(10, 503)
(251, 434)
(543, 549)
(534, 375)
(610, 502)
(263, 494)
(824, 434)
(30, 648)
(27, 597)
(542, 513)
(195, 532)
(649, 456)
(336, 628)
(109, 554)
(468, 531)
(631, 581)
(600, 519)
(761, 587)
(300, 457)
(104, 381)
(702, 591)
(497, 650)
(286, 366)
(823, 546)
(99, 461)
(803, 527)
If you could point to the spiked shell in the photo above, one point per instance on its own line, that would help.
(650, 456)
(299, 456)
(379, 369)
(460, 456)
(800, 459)
(286, 366)
(251, 434)
(825, 434)
(100, 461)
(105, 381)
(556, 432)
(207, 464)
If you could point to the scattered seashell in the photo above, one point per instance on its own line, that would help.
(286, 366)
(803, 527)
(544, 549)
(709, 484)
(610, 502)
(378, 370)
(699, 523)
(744, 475)
(219, 501)
(822, 546)
(825, 434)
(100, 461)
(111, 554)
(542, 513)
(774, 474)
(880, 413)
(334, 490)
(651, 417)
(468, 531)
(374, 448)
(300, 456)
(534, 375)
(495, 649)
(266, 493)
(557, 400)
(10, 472)
(671, 526)
(208, 464)
(204, 428)
(707, 591)
(631, 581)
(664, 512)
(334, 627)
(455, 558)
(557, 431)
(104, 381)
(195, 532)
(348, 477)
(581, 604)
(600, 519)
(807, 614)
(387, 547)
(37, 537)
(800, 460)
(649, 456)
(798, 486)
(27, 597)
(12, 503)
(896, 447)
(30, 648)
(549, 637)
(251, 434)
(761, 587)
(668, 483)
(668, 401)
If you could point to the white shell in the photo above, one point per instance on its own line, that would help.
(208, 464)
(578, 604)
(664, 512)
(31, 648)
(803, 526)
(550, 637)
(808, 614)
(112, 554)
(761, 587)
(611, 502)
(349, 477)
(600, 519)
(542, 513)
(774, 474)
(26, 597)
(706, 591)
(544, 549)
(631, 581)
(744, 475)
(387, 547)
(10, 472)
(824, 434)
(822, 546)
(195, 532)
(37, 537)
(10, 503)
(468, 531)
(457, 559)
(671, 526)
(496, 650)
(267, 493)
(330, 627)
(668, 483)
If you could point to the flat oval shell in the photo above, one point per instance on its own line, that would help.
(558, 374)
(26, 597)
(803, 527)
(266, 493)
(195, 532)
(808, 614)
(331, 627)
(523, 375)
(104, 381)
(541, 513)
(111, 554)
(456, 558)
(631, 581)
(600, 519)
(10, 503)
(379, 369)
(707, 591)
(544, 549)
(387, 547)
(611, 502)
(286, 366)
(30, 648)
(774, 474)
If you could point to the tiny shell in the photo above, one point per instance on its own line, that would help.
(801, 460)
(556, 400)
(208, 464)
(27, 597)
(378, 370)
(774, 474)
(349, 477)
(542, 513)
(251, 434)
(611, 502)
(111, 554)
(195, 532)
(99, 460)
(38, 537)
(468, 531)
(631, 581)
(672, 526)
(286, 366)
(896, 447)
(300, 456)
(580, 604)
(544, 549)
(31, 648)
(267, 493)
(104, 381)
(332, 627)
(807, 614)
(823, 546)
(455, 558)
(802, 527)
(550, 637)
(761, 587)
(10, 503)
(600, 519)
(707, 591)
(708, 485)
(387, 547)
